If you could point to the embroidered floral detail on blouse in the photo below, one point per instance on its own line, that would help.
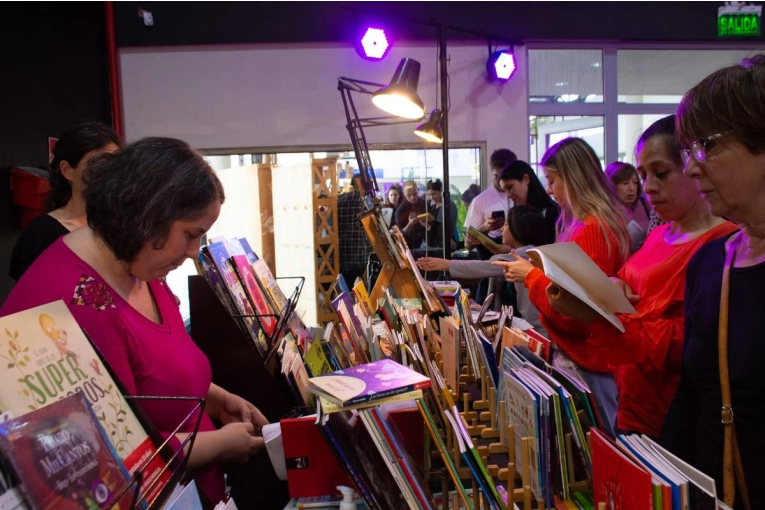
(89, 292)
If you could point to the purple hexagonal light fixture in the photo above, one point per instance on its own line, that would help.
(501, 65)
(374, 44)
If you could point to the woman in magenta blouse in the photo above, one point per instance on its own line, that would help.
(147, 207)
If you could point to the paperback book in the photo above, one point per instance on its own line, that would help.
(63, 457)
(369, 382)
(45, 357)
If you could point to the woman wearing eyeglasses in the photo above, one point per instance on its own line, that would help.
(721, 126)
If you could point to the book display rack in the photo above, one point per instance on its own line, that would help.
(236, 365)
(175, 460)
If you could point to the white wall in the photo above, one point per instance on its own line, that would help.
(259, 96)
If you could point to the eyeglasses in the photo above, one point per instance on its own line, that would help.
(699, 149)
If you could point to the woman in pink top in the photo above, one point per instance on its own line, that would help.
(147, 207)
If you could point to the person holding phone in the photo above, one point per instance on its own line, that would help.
(480, 213)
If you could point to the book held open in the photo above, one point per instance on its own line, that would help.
(569, 267)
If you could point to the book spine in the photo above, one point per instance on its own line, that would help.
(383, 394)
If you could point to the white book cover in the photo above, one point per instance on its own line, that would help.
(568, 266)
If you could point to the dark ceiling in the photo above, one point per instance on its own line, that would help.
(197, 23)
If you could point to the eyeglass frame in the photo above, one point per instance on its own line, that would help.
(687, 154)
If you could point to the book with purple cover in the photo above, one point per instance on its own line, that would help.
(367, 383)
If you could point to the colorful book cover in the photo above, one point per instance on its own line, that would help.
(269, 284)
(63, 457)
(315, 360)
(220, 255)
(251, 257)
(45, 357)
(344, 309)
(254, 293)
(521, 406)
(368, 382)
(616, 480)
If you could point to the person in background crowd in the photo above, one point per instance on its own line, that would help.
(148, 205)
(491, 199)
(469, 194)
(524, 229)
(393, 197)
(629, 190)
(721, 128)
(522, 187)
(466, 198)
(436, 207)
(406, 215)
(354, 247)
(65, 205)
(592, 217)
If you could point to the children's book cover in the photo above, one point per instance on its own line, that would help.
(220, 256)
(63, 458)
(254, 293)
(45, 356)
(368, 382)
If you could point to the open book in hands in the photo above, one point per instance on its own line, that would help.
(582, 281)
(484, 240)
(426, 217)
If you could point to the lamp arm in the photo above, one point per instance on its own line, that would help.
(356, 131)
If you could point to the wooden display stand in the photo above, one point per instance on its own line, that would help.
(401, 279)
(326, 243)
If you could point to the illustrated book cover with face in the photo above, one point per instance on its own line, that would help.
(63, 457)
(368, 383)
(45, 356)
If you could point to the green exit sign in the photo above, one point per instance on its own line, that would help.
(734, 21)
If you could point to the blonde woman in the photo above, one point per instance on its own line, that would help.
(592, 217)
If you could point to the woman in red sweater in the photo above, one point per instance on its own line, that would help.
(649, 353)
(592, 217)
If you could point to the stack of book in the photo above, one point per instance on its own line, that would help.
(66, 423)
(634, 472)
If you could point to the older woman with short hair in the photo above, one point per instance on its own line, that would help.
(721, 129)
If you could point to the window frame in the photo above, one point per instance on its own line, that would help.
(611, 108)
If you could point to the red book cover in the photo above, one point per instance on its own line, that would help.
(617, 480)
(540, 345)
(254, 293)
(63, 458)
(312, 468)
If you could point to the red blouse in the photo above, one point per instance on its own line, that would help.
(648, 355)
(571, 335)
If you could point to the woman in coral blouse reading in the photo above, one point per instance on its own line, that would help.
(592, 217)
(648, 354)
(147, 207)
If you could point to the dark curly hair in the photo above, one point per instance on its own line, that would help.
(133, 196)
(72, 146)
